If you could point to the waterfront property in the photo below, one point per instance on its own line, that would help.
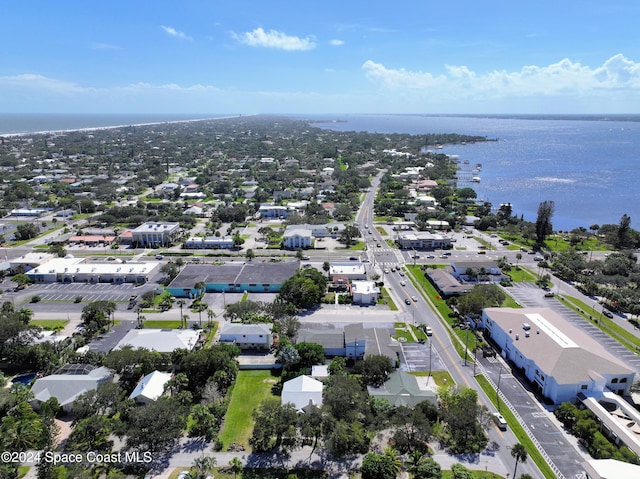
(253, 277)
(559, 359)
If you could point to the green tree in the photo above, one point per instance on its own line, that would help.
(304, 289)
(202, 466)
(348, 234)
(203, 423)
(157, 426)
(274, 427)
(544, 227)
(21, 280)
(377, 466)
(310, 354)
(623, 239)
(458, 471)
(97, 314)
(236, 466)
(375, 369)
(463, 416)
(519, 453)
(428, 469)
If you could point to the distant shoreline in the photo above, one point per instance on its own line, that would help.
(111, 127)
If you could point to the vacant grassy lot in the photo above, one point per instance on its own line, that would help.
(159, 324)
(251, 388)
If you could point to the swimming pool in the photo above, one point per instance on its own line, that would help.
(25, 378)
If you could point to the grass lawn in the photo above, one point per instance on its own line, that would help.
(49, 324)
(401, 331)
(159, 324)
(521, 275)
(386, 299)
(250, 389)
(441, 378)
(474, 475)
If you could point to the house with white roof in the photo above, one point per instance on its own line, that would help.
(351, 271)
(150, 387)
(560, 360)
(248, 336)
(161, 340)
(364, 292)
(302, 391)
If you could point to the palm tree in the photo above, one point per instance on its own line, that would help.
(211, 314)
(181, 303)
(202, 466)
(392, 454)
(518, 258)
(414, 460)
(236, 466)
(519, 453)
(200, 308)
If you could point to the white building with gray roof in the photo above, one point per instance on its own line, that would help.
(559, 359)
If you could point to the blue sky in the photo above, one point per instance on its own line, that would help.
(348, 56)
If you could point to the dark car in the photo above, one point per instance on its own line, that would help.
(607, 313)
(407, 301)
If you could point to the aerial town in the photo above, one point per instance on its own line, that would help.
(260, 297)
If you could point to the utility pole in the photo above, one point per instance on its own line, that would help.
(466, 349)
(430, 344)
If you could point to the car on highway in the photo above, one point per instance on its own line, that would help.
(428, 331)
(378, 245)
(407, 301)
(353, 258)
(386, 271)
(430, 256)
(402, 283)
(607, 313)
(548, 294)
(414, 298)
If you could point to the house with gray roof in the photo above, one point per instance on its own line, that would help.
(559, 359)
(402, 389)
(446, 284)
(67, 383)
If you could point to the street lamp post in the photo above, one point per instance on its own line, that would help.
(498, 390)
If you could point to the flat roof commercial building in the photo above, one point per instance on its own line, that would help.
(232, 278)
(78, 270)
(559, 359)
(153, 234)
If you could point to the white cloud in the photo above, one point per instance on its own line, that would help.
(275, 39)
(336, 42)
(563, 77)
(175, 33)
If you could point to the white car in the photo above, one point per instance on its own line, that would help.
(428, 331)
(402, 283)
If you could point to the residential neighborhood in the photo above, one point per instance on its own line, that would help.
(346, 301)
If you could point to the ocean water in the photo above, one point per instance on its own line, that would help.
(15, 123)
(589, 166)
